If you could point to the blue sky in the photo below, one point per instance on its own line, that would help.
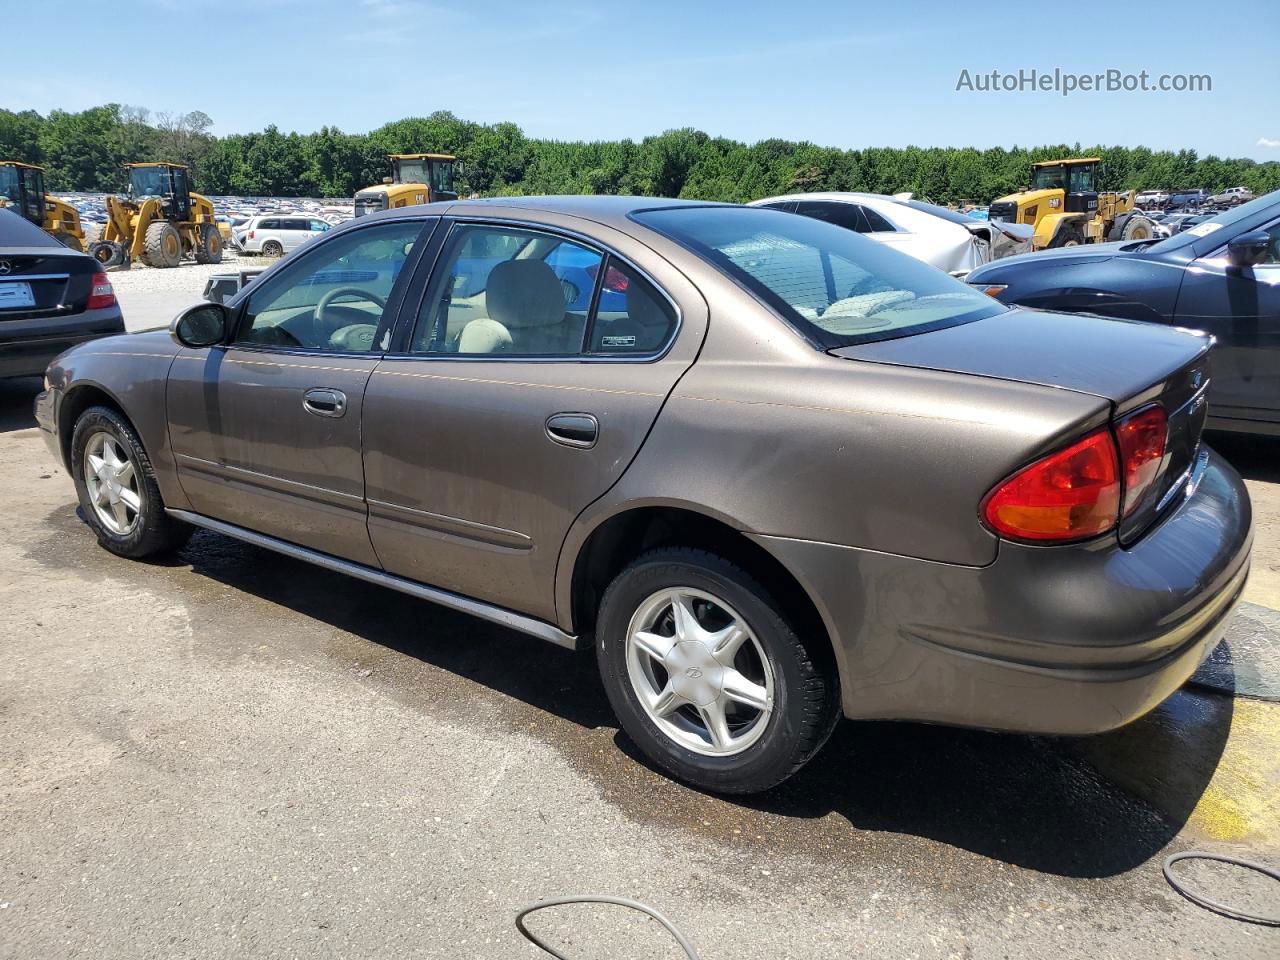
(836, 73)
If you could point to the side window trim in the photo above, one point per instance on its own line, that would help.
(390, 315)
(402, 339)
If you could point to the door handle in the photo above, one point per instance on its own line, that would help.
(325, 402)
(573, 429)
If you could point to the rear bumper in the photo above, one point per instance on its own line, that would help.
(27, 346)
(1064, 640)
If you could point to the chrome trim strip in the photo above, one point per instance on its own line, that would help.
(23, 277)
(477, 608)
(456, 526)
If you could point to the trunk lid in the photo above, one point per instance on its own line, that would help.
(60, 281)
(1130, 364)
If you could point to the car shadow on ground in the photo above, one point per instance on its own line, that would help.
(1037, 802)
(16, 399)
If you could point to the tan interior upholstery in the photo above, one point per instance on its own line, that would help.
(525, 303)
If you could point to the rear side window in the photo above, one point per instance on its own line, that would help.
(516, 292)
(877, 223)
(847, 215)
(834, 286)
(631, 315)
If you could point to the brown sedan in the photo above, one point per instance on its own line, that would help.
(771, 470)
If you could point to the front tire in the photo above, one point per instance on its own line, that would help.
(708, 675)
(117, 487)
(162, 245)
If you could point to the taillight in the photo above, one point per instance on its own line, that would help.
(614, 279)
(1068, 495)
(250, 234)
(102, 294)
(1142, 437)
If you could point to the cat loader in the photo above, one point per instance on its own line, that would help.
(160, 222)
(1066, 209)
(415, 178)
(22, 188)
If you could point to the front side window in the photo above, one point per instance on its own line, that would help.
(836, 287)
(149, 182)
(1082, 179)
(331, 298)
(442, 176)
(9, 189)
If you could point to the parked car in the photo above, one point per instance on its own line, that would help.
(274, 235)
(1153, 199)
(794, 473)
(943, 238)
(1231, 197)
(1221, 276)
(1186, 200)
(51, 298)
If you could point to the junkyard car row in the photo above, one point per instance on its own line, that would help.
(771, 470)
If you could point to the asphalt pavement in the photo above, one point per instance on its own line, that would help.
(233, 754)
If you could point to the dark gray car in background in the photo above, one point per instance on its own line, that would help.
(51, 298)
(770, 470)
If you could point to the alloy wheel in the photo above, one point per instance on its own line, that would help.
(111, 478)
(699, 672)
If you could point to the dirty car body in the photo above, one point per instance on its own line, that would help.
(771, 470)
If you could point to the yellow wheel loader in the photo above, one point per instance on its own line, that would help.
(415, 178)
(159, 223)
(22, 187)
(1066, 209)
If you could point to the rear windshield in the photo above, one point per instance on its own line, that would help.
(837, 287)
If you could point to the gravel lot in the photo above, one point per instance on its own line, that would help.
(149, 298)
(234, 754)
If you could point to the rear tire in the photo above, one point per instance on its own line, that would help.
(93, 233)
(71, 241)
(210, 248)
(162, 245)
(122, 503)
(272, 248)
(739, 721)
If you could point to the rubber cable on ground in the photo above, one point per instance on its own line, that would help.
(546, 902)
(1223, 908)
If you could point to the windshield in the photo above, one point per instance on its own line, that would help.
(149, 181)
(412, 171)
(1049, 178)
(1225, 219)
(837, 287)
(9, 183)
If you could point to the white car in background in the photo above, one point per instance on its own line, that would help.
(1151, 198)
(944, 238)
(275, 234)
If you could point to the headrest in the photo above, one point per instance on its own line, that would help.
(524, 293)
(644, 309)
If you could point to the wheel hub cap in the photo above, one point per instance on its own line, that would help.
(695, 674)
(699, 672)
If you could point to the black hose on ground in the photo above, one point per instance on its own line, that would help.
(1200, 899)
(546, 902)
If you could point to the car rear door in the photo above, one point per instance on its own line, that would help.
(1240, 306)
(518, 392)
(265, 430)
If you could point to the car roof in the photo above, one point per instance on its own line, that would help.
(18, 232)
(607, 210)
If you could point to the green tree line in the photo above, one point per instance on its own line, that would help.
(85, 151)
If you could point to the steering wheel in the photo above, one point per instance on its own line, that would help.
(333, 295)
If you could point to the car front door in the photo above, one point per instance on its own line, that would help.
(266, 429)
(535, 369)
(1240, 306)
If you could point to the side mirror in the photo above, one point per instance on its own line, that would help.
(202, 325)
(1249, 249)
